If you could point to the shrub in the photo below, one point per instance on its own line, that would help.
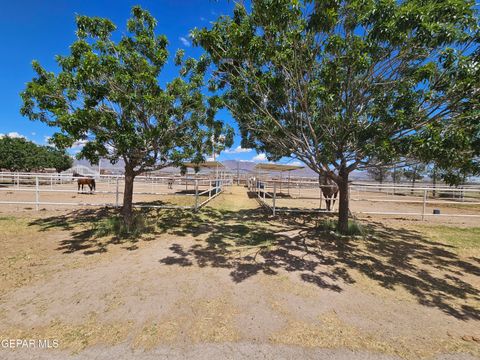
(354, 227)
(115, 226)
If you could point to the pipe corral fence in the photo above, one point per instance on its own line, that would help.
(167, 192)
(303, 196)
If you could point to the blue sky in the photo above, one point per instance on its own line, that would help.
(42, 29)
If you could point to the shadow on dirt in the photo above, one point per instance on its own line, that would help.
(248, 242)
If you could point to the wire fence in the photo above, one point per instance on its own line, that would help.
(370, 199)
(39, 190)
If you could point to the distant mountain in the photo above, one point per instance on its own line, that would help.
(244, 167)
(117, 168)
(249, 167)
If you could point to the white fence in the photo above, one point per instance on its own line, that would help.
(187, 192)
(371, 199)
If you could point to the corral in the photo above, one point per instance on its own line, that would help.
(61, 190)
(190, 192)
(437, 204)
(210, 268)
(232, 279)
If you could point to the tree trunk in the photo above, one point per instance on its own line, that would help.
(343, 204)
(128, 197)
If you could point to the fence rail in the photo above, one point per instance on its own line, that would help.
(15, 188)
(371, 199)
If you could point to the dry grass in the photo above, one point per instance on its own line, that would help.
(20, 262)
(203, 321)
(331, 332)
(75, 337)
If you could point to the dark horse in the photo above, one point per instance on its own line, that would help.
(82, 181)
(329, 190)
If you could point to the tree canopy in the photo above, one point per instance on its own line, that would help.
(108, 94)
(342, 84)
(19, 154)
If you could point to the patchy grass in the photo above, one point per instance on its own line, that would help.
(354, 227)
(115, 226)
(76, 337)
(460, 238)
(20, 262)
(330, 331)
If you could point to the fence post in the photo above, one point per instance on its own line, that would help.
(321, 196)
(196, 194)
(36, 193)
(116, 194)
(424, 203)
(274, 198)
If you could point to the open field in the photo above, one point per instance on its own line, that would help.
(233, 282)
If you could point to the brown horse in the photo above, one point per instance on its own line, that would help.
(82, 181)
(329, 190)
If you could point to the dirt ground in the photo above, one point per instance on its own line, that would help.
(233, 282)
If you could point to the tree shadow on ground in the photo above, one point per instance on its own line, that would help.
(393, 258)
(249, 242)
(86, 232)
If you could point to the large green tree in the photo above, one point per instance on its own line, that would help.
(20, 154)
(56, 158)
(342, 84)
(108, 94)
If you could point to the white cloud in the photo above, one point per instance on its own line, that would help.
(184, 41)
(260, 157)
(202, 19)
(46, 139)
(13, 134)
(79, 143)
(33, 133)
(237, 150)
(295, 163)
